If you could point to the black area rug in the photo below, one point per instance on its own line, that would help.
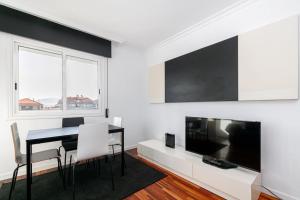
(90, 186)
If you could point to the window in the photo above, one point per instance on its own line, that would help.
(40, 80)
(82, 84)
(57, 80)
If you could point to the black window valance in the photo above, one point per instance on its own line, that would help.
(26, 25)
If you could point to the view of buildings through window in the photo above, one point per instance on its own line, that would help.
(73, 103)
(81, 83)
(40, 85)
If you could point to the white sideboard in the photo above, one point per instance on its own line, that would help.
(232, 184)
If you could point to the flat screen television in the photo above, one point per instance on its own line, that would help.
(230, 141)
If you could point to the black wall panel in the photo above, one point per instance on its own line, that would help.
(208, 74)
(26, 25)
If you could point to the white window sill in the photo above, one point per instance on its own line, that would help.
(54, 115)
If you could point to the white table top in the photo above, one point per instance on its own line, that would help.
(50, 133)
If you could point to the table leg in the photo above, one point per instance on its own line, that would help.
(28, 167)
(122, 155)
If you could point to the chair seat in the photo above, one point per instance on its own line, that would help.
(39, 156)
(70, 145)
(115, 144)
(75, 160)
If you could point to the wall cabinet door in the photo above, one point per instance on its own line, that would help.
(268, 62)
(156, 85)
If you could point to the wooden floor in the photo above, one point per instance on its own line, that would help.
(174, 187)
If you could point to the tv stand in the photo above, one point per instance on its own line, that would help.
(231, 184)
(218, 163)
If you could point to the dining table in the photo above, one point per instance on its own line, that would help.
(58, 134)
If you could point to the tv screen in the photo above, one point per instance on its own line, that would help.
(234, 141)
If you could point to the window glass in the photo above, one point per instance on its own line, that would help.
(40, 80)
(82, 84)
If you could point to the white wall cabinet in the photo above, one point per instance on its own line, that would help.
(156, 86)
(268, 62)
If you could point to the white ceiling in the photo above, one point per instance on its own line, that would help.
(138, 22)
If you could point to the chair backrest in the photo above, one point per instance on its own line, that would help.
(117, 121)
(72, 122)
(16, 140)
(92, 141)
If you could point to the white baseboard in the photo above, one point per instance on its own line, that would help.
(45, 166)
(22, 170)
(131, 147)
(282, 195)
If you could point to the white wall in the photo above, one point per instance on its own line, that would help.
(127, 95)
(126, 99)
(280, 119)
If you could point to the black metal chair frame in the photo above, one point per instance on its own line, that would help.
(15, 175)
(21, 161)
(113, 151)
(99, 167)
(113, 148)
(69, 122)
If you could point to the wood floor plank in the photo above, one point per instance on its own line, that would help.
(169, 187)
(198, 193)
(144, 195)
(132, 197)
(158, 192)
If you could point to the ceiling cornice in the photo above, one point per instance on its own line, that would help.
(203, 23)
(70, 24)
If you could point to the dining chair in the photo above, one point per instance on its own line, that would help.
(70, 144)
(113, 141)
(20, 158)
(92, 143)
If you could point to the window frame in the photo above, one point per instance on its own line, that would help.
(64, 52)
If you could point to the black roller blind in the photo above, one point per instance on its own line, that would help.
(26, 25)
